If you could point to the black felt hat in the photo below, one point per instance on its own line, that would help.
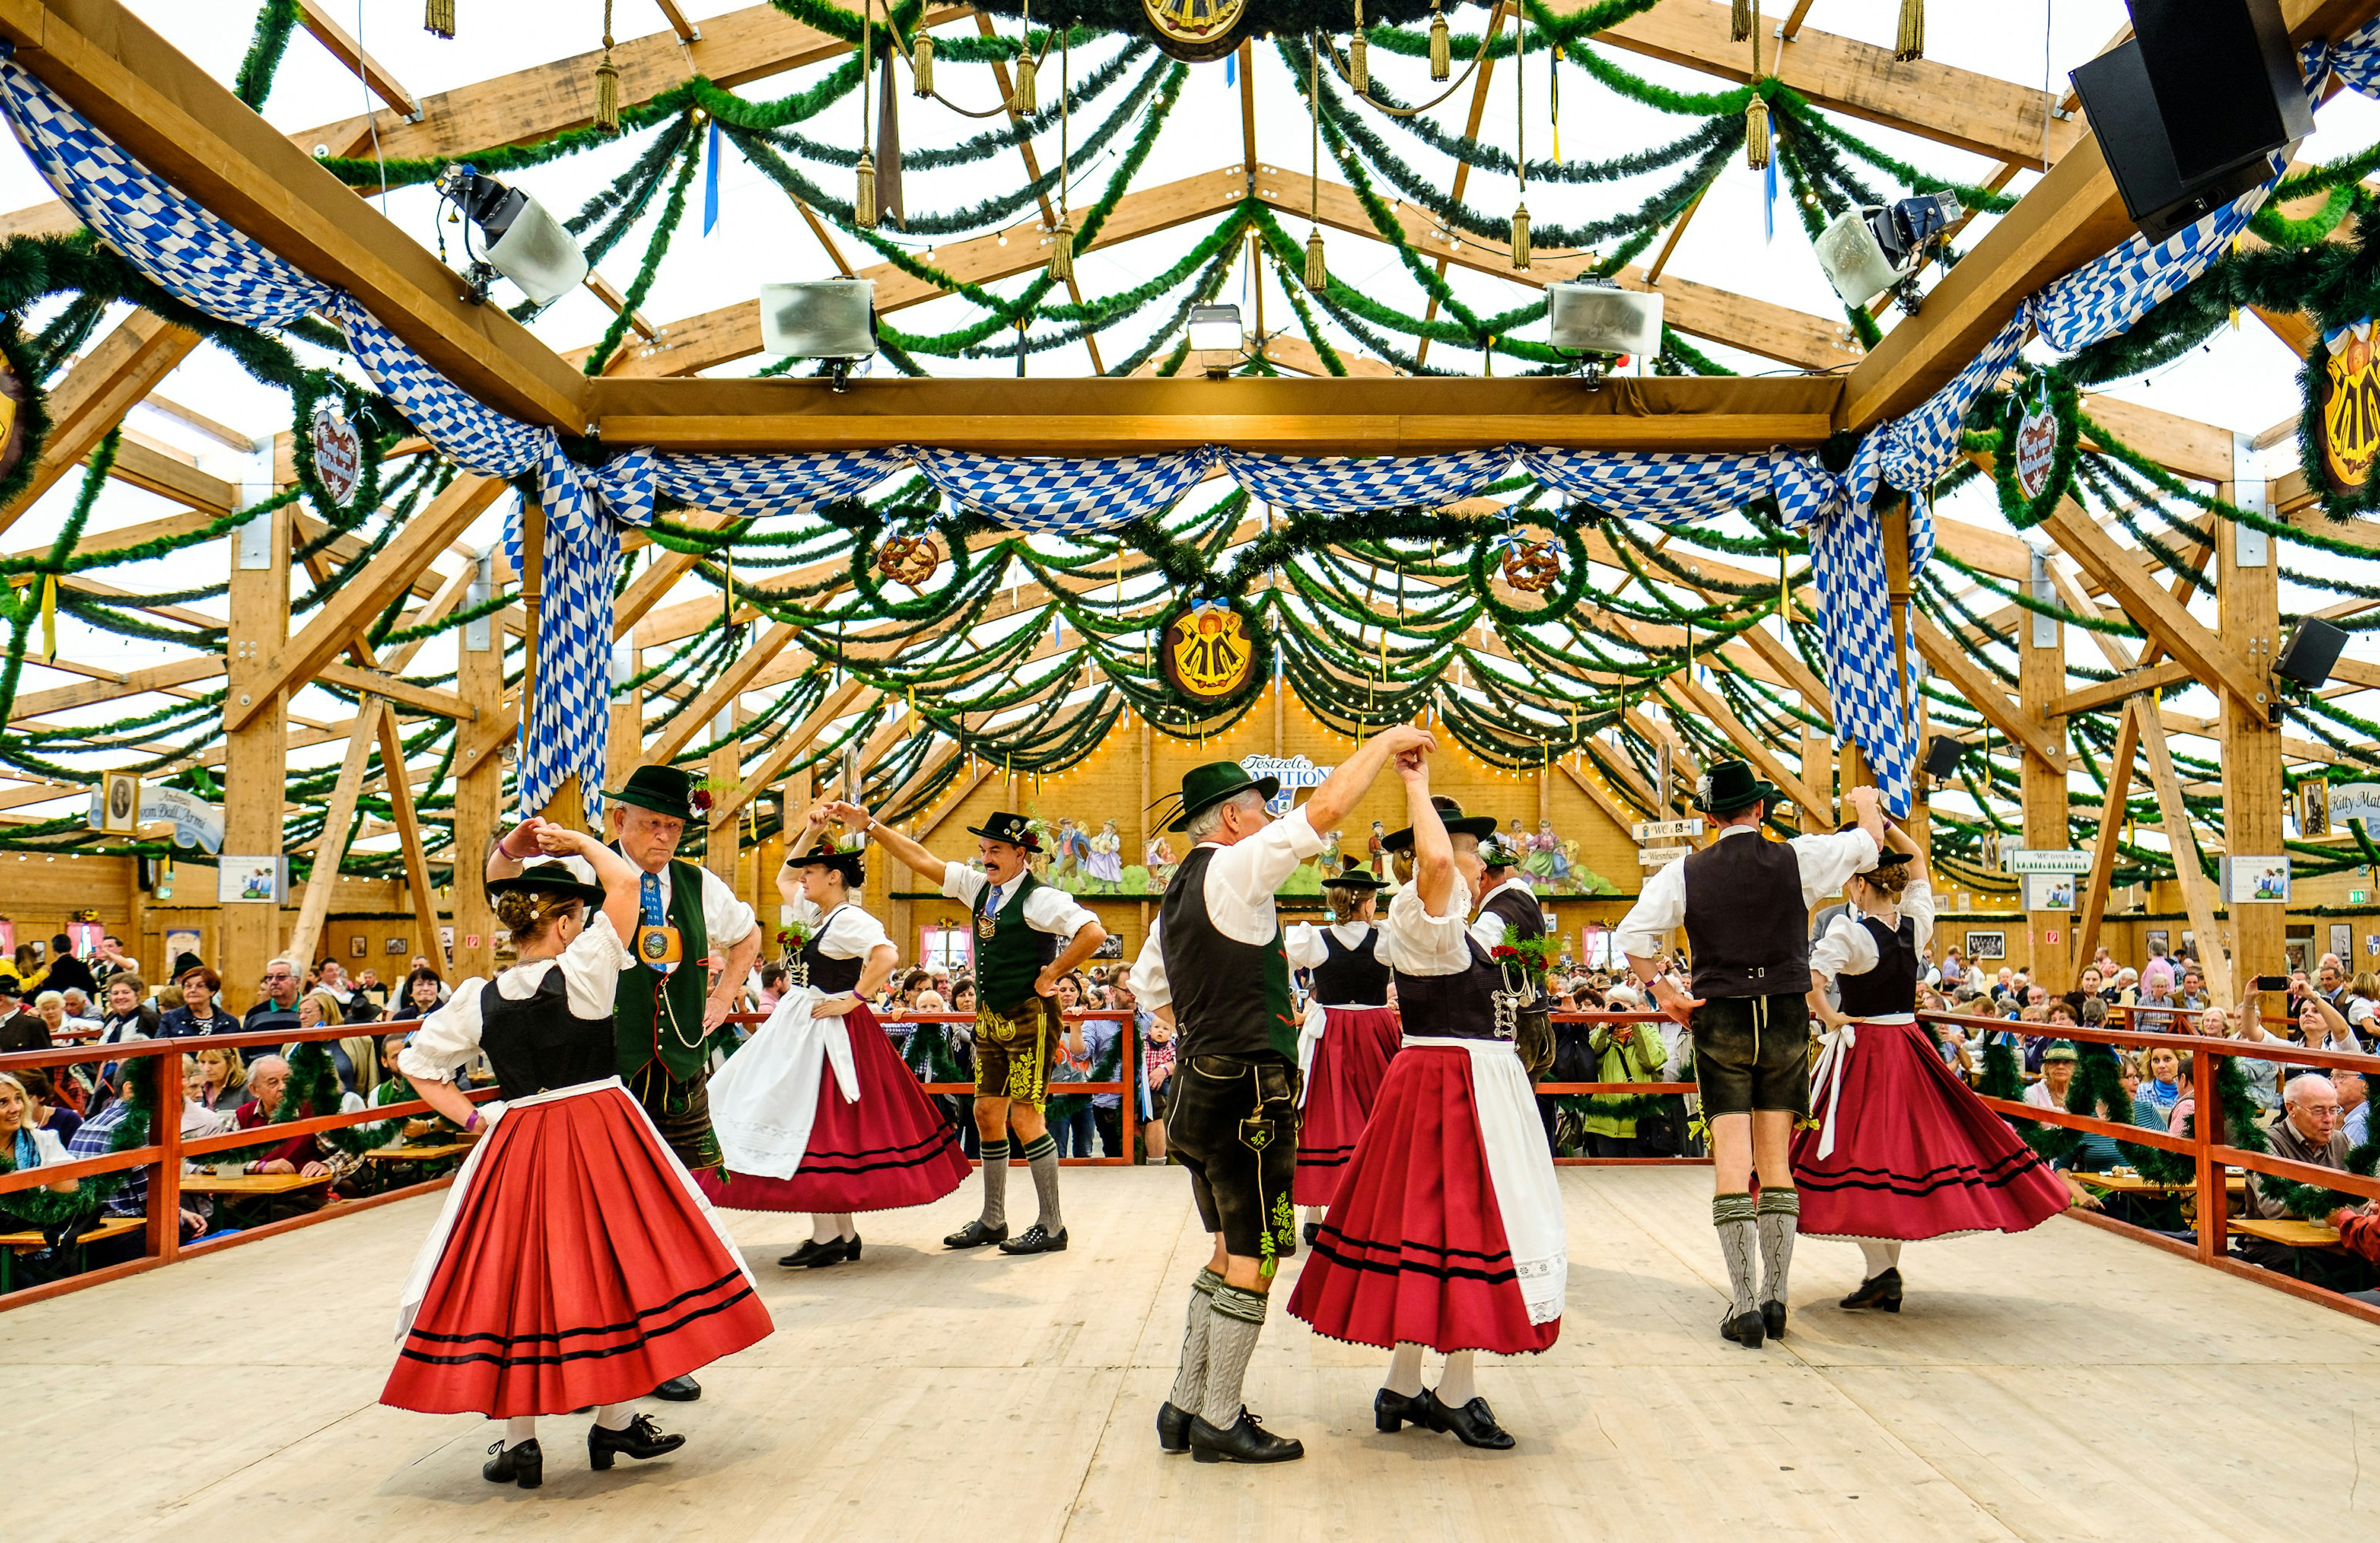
(1449, 813)
(851, 862)
(1008, 826)
(1730, 787)
(1354, 876)
(665, 790)
(1496, 853)
(1203, 788)
(548, 879)
(184, 963)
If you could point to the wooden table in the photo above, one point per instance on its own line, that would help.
(2297, 1234)
(2185, 1195)
(14, 1243)
(382, 1159)
(270, 1186)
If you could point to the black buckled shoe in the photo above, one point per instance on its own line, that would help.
(1313, 1230)
(1744, 1329)
(1246, 1442)
(522, 1465)
(1174, 1429)
(1474, 1424)
(641, 1440)
(814, 1253)
(1772, 1319)
(975, 1234)
(1035, 1240)
(851, 1249)
(1392, 1411)
(1882, 1291)
(679, 1390)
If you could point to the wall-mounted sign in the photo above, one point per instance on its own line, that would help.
(2037, 447)
(257, 881)
(1295, 772)
(2047, 860)
(196, 822)
(1208, 651)
(1666, 830)
(2247, 880)
(2048, 892)
(2352, 801)
(2346, 417)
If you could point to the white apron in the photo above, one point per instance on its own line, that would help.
(1521, 1170)
(765, 1099)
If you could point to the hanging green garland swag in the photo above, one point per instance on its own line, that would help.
(2064, 401)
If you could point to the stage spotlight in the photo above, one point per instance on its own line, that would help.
(1597, 319)
(832, 319)
(1217, 340)
(1871, 250)
(525, 244)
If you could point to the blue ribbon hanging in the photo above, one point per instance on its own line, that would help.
(711, 180)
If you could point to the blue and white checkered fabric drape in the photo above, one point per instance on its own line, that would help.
(1355, 484)
(1055, 496)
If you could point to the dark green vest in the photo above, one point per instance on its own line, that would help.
(1008, 961)
(657, 1015)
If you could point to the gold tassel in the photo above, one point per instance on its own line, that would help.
(1359, 56)
(1911, 43)
(863, 206)
(1441, 52)
(1755, 134)
(921, 65)
(1739, 21)
(1317, 277)
(1024, 101)
(438, 17)
(607, 95)
(1521, 239)
(1061, 255)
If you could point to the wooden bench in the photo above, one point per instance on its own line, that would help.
(14, 1243)
(2296, 1234)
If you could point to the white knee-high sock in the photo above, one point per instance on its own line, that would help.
(519, 1428)
(845, 1228)
(1878, 1258)
(1309, 1215)
(821, 1227)
(615, 1417)
(1454, 1384)
(1404, 1370)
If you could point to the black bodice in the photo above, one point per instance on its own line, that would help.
(1891, 986)
(538, 1043)
(1458, 1007)
(826, 975)
(1523, 914)
(1351, 977)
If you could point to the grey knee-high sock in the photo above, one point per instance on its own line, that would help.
(1737, 1245)
(1190, 1378)
(995, 1183)
(1042, 1153)
(1779, 1217)
(1230, 1340)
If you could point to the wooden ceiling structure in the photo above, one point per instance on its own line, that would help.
(105, 61)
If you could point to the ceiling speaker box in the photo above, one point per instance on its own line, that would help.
(2311, 651)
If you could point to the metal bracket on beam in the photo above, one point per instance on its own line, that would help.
(479, 634)
(2250, 548)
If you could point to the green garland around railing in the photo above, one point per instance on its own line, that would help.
(47, 1208)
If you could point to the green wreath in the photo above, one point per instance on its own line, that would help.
(2064, 400)
(1260, 643)
(1558, 602)
(356, 404)
(2337, 505)
(928, 603)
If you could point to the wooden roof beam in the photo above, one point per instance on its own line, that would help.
(316, 17)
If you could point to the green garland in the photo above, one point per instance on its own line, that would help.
(47, 1208)
(2064, 402)
(274, 22)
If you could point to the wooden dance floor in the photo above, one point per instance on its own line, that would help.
(2067, 1383)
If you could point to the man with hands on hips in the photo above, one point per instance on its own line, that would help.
(1027, 935)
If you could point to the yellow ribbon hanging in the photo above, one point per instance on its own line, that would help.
(49, 618)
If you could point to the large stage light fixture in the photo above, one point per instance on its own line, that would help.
(832, 319)
(1597, 319)
(1871, 250)
(1216, 338)
(525, 244)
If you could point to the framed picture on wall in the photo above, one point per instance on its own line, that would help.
(2342, 942)
(2160, 940)
(1986, 945)
(178, 941)
(393, 945)
(356, 946)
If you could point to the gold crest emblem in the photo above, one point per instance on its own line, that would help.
(1196, 31)
(1208, 654)
(2350, 411)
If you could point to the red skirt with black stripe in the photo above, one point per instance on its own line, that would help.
(1917, 1155)
(891, 1150)
(582, 1269)
(1340, 1087)
(1413, 1249)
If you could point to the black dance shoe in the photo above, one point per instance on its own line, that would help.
(1772, 1317)
(1313, 1230)
(1882, 1291)
(1246, 1442)
(1392, 1410)
(1174, 1429)
(814, 1253)
(1744, 1329)
(975, 1234)
(1035, 1240)
(522, 1465)
(851, 1249)
(641, 1440)
(679, 1390)
(1474, 1424)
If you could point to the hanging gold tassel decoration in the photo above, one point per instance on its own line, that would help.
(1739, 21)
(1521, 141)
(1755, 133)
(1441, 51)
(862, 203)
(607, 82)
(1521, 239)
(921, 65)
(1023, 100)
(1359, 56)
(1317, 276)
(1061, 255)
(438, 17)
(1911, 43)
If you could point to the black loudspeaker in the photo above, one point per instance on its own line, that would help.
(1942, 754)
(2312, 649)
(2196, 88)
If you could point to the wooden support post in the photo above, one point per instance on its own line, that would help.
(1818, 767)
(623, 748)
(2248, 592)
(2041, 680)
(721, 771)
(479, 793)
(2198, 897)
(330, 848)
(256, 756)
(2093, 894)
(408, 836)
